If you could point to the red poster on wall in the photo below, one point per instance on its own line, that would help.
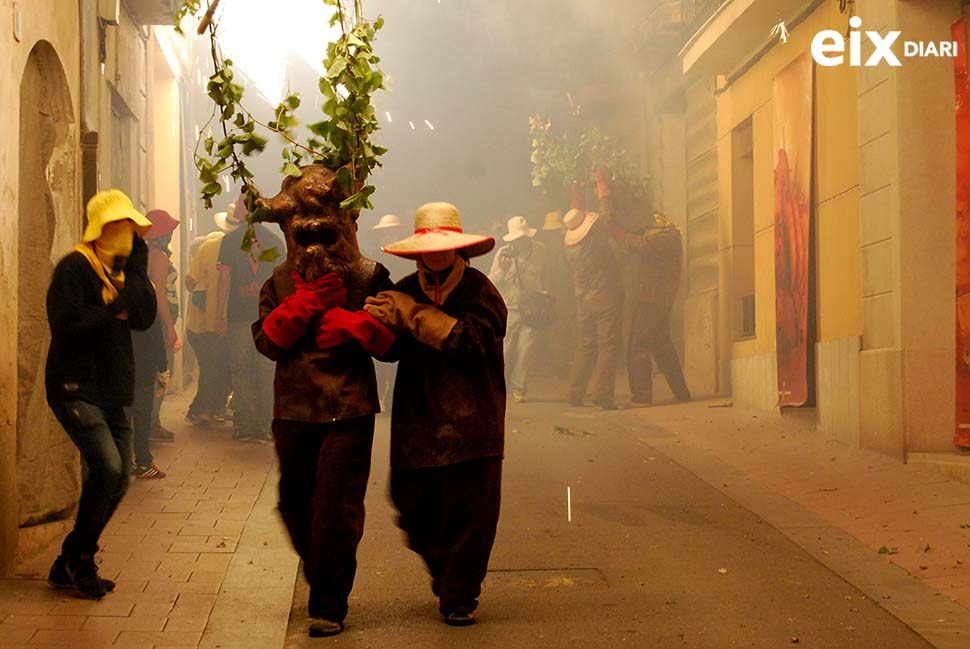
(793, 135)
(961, 436)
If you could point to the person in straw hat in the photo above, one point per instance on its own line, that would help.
(98, 294)
(599, 298)
(518, 270)
(448, 420)
(211, 351)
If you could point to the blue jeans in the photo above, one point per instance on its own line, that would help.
(103, 436)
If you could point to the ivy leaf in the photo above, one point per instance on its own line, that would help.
(291, 169)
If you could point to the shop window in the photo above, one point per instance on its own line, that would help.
(742, 228)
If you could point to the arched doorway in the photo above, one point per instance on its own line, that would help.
(47, 466)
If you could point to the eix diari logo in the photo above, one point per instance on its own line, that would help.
(828, 47)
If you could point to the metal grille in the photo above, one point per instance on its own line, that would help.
(695, 12)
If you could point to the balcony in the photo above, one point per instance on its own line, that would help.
(661, 33)
(152, 12)
(696, 12)
(722, 34)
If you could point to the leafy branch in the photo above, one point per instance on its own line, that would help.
(560, 159)
(340, 141)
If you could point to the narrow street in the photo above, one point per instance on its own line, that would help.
(656, 554)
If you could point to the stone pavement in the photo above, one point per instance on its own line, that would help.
(170, 547)
(201, 559)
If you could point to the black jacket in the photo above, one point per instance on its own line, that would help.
(90, 357)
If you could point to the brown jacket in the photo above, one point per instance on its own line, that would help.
(596, 273)
(315, 385)
(449, 405)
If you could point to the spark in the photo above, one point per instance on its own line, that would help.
(430, 125)
(412, 126)
(569, 505)
(389, 118)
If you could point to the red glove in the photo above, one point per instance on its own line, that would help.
(287, 323)
(604, 181)
(338, 326)
(579, 197)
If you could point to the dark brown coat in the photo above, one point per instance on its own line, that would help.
(655, 255)
(315, 385)
(449, 405)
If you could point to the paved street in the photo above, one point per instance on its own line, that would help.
(690, 528)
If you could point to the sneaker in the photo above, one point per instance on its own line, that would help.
(322, 628)
(161, 434)
(150, 472)
(83, 573)
(58, 577)
(460, 617)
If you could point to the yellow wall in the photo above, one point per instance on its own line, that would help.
(836, 189)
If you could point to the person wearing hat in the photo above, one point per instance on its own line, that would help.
(599, 299)
(164, 275)
(211, 352)
(241, 275)
(518, 269)
(448, 420)
(98, 295)
(561, 333)
(654, 251)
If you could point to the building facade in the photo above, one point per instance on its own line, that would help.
(881, 245)
(75, 88)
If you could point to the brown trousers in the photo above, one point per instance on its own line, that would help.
(598, 333)
(323, 478)
(450, 515)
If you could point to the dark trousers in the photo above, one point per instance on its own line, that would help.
(450, 515)
(142, 409)
(598, 333)
(650, 337)
(323, 478)
(103, 437)
(214, 384)
(252, 383)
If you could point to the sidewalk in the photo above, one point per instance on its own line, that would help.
(169, 546)
(921, 518)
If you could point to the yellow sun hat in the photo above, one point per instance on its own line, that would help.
(553, 221)
(110, 206)
(437, 228)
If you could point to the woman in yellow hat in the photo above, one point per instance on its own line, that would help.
(448, 418)
(98, 294)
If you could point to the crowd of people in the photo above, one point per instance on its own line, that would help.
(463, 341)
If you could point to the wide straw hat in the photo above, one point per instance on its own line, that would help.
(553, 221)
(109, 206)
(437, 228)
(578, 224)
(518, 228)
(162, 223)
(224, 221)
(388, 221)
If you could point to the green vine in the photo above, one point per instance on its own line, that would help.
(341, 140)
(560, 159)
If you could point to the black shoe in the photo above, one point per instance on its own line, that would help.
(460, 617)
(84, 576)
(322, 628)
(58, 577)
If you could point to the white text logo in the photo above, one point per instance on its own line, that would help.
(828, 47)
